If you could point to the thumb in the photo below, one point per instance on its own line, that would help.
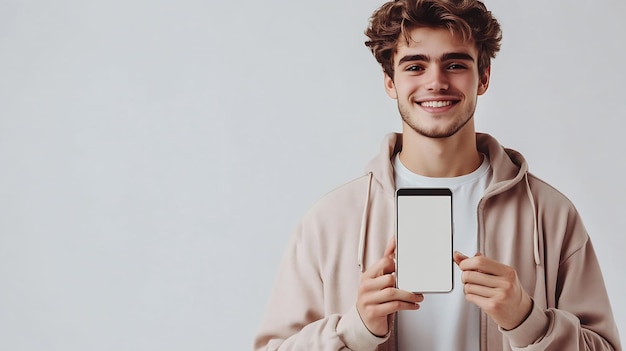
(391, 247)
(458, 257)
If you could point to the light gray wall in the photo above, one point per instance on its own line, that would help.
(155, 155)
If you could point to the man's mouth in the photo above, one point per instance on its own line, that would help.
(435, 104)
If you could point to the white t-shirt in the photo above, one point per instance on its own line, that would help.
(446, 321)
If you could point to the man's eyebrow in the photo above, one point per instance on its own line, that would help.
(445, 57)
(457, 56)
(411, 58)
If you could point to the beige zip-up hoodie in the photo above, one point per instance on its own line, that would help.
(522, 222)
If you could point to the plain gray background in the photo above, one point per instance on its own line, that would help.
(155, 155)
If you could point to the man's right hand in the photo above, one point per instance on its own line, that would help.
(378, 299)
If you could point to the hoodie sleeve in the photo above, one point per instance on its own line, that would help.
(296, 318)
(582, 319)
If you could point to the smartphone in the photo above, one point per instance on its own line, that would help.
(424, 232)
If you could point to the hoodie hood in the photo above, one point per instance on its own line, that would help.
(509, 169)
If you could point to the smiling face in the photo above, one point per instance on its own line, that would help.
(436, 83)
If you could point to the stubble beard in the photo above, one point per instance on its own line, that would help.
(405, 113)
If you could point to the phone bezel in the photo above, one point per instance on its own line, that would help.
(445, 192)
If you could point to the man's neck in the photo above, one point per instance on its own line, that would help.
(440, 158)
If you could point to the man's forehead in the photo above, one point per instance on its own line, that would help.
(434, 42)
(419, 36)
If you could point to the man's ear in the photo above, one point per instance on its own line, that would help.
(390, 87)
(484, 81)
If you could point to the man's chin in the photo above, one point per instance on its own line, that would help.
(439, 135)
(435, 133)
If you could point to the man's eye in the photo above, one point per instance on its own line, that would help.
(414, 68)
(456, 66)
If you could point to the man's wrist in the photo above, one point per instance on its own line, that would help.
(355, 334)
(532, 329)
(531, 305)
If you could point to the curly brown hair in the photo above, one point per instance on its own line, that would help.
(469, 18)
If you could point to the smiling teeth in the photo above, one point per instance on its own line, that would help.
(436, 103)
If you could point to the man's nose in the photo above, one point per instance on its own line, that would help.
(437, 80)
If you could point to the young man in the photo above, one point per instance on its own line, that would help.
(535, 283)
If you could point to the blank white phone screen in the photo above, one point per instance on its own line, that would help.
(424, 240)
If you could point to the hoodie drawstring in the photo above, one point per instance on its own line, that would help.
(364, 217)
(535, 222)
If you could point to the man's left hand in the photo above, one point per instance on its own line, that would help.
(495, 288)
